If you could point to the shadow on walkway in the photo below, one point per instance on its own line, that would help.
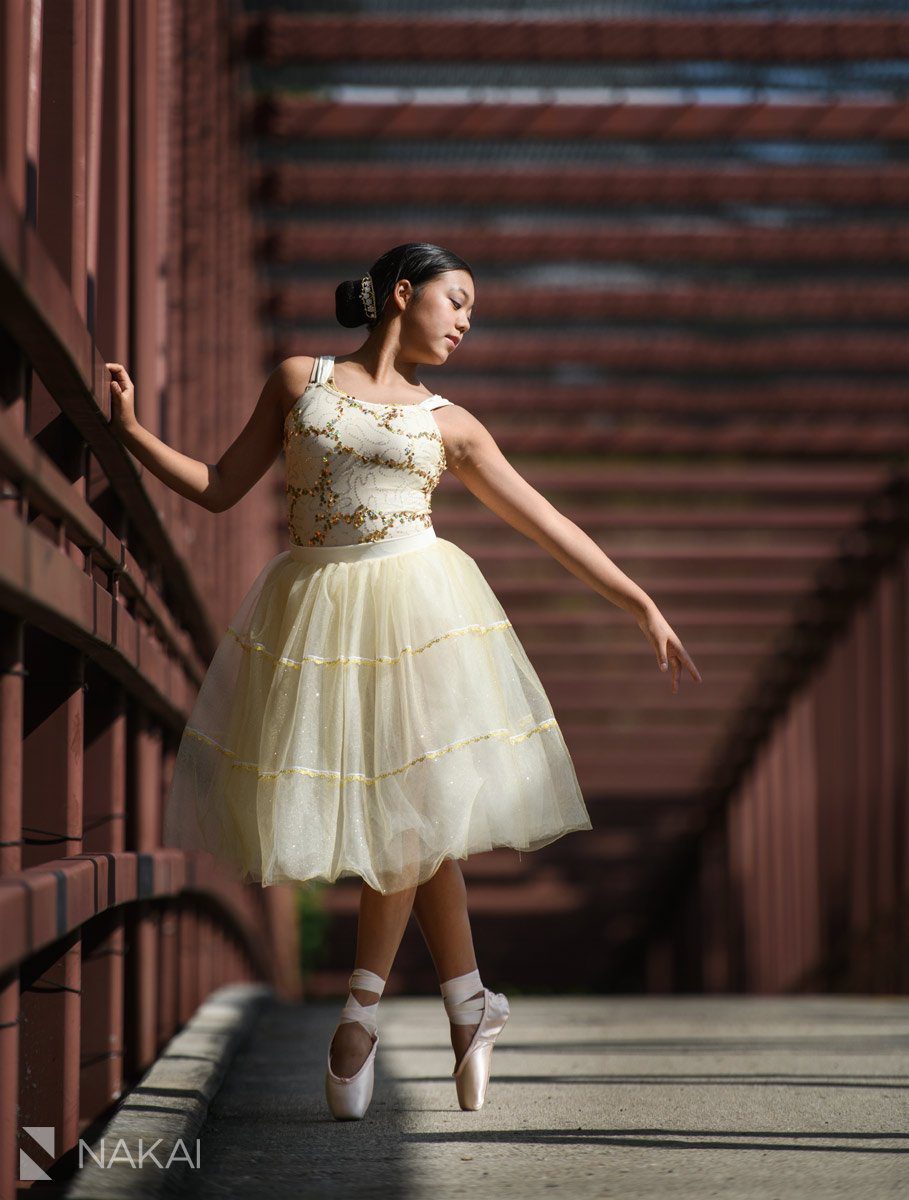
(590, 1096)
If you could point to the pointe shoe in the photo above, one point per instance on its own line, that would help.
(349, 1096)
(471, 1075)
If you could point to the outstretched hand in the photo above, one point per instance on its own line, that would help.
(671, 654)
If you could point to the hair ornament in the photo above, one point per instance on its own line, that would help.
(368, 296)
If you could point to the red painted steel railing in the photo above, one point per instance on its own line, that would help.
(796, 880)
(114, 247)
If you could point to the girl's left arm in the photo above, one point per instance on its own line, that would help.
(475, 458)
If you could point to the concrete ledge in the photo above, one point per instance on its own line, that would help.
(169, 1105)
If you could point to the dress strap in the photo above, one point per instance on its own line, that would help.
(322, 369)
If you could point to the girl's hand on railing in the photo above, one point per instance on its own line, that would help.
(669, 650)
(122, 400)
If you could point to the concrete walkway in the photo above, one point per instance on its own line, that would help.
(590, 1097)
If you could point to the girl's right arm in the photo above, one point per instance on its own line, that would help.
(218, 486)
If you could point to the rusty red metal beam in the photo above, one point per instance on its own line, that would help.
(480, 524)
(590, 622)
(768, 555)
(37, 580)
(755, 436)
(633, 395)
(278, 38)
(621, 186)
(732, 590)
(670, 350)
(289, 117)
(41, 314)
(43, 904)
(24, 556)
(813, 301)
(861, 243)
(723, 480)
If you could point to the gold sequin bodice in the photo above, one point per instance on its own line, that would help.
(358, 472)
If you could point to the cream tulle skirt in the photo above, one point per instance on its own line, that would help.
(371, 712)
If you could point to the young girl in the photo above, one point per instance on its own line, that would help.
(370, 710)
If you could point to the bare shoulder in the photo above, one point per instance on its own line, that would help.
(461, 431)
(457, 418)
(289, 380)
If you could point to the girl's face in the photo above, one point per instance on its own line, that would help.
(435, 322)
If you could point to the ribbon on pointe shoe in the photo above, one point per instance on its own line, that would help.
(353, 1010)
(456, 996)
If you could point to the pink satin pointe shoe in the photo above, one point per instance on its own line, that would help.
(349, 1096)
(471, 1075)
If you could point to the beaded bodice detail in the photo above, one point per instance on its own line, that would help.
(356, 471)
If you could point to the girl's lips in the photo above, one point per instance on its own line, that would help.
(451, 339)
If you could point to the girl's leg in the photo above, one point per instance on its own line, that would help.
(440, 906)
(381, 926)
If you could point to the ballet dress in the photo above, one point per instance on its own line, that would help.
(370, 710)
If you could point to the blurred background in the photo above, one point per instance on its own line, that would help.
(688, 226)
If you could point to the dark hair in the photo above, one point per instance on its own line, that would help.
(417, 261)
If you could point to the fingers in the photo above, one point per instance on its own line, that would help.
(670, 653)
(120, 380)
(674, 664)
(678, 657)
(686, 660)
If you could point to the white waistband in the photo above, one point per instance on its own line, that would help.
(363, 550)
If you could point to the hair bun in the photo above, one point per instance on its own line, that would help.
(349, 304)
